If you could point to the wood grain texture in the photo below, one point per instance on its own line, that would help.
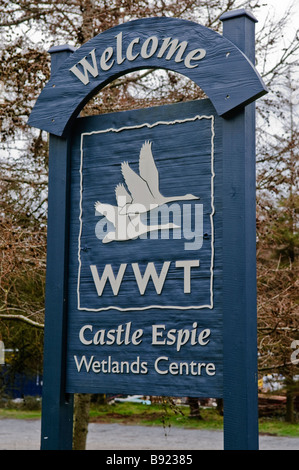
(57, 410)
(225, 74)
(183, 156)
(182, 153)
(239, 261)
(57, 407)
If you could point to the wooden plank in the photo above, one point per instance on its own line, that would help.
(187, 147)
(57, 406)
(170, 43)
(239, 261)
(235, 83)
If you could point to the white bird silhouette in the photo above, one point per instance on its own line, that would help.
(127, 226)
(112, 212)
(144, 188)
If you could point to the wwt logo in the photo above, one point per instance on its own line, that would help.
(142, 211)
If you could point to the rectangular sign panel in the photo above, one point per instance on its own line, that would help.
(145, 272)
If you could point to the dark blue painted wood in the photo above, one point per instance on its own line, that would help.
(55, 111)
(239, 260)
(59, 54)
(57, 406)
(225, 74)
(183, 155)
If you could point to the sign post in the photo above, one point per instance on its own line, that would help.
(151, 285)
(239, 259)
(57, 406)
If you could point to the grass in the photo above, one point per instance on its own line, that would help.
(154, 415)
(159, 415)
(162, 415)
(278, 427)
(13, 413)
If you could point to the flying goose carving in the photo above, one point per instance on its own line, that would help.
(144, 188)
(127, 226)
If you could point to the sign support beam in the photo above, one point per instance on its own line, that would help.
(226, 72)
(239, 255)
(57, 406)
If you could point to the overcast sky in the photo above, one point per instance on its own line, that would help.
(277, 9)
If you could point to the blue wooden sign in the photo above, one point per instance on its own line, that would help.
(151, 282)
(144, 312)
(212, 61)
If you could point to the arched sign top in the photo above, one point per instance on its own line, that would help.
(213, 62)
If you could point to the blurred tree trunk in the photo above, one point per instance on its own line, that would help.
(220, 406)
(290, 408)
(81, 419)
(194, 408)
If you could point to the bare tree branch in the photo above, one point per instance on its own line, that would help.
(22, 318)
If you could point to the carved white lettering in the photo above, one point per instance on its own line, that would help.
(174, 46)
(130, 55)
(149, 47)
(106, 56)
(142, 280)
(163, 367)
(123, 334)
(196, 54)
(187, 265)
(119, 49)
(150, 272)
(170, 49)
(87, 67)
(180, 337)
(108, 274)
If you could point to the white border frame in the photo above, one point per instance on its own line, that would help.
(178, 121)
